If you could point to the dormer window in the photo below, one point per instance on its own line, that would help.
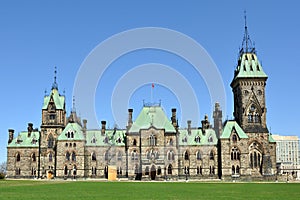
(210, 139)
(93, 140)
(234, 138)
(184, 139)
(119, 140)
(197, 139)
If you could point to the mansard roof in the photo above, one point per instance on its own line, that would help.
(25, 140)
(188, 137)
(229, 127)
(110, 137)
(152, 116)
(249, 66)
(58, 99)
(72, 127)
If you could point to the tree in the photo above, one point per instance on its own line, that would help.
(2, 170)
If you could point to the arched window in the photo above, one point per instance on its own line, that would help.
(170, 169)
(171, 142)
(237, 170)
(120, 156)
(50, 141)
(134, 142)
(171, 155)
(210, 139)
(235, 154)
(134, 155)
(33, 157)
(74, 144)
(73, 156)
(152, 140)
(254, 115)
(197, 139)
(147, 170)
(159, 170)
(233, 170)
(94, 156)
(186, 155)
(50, 157)
(74, 170)
(198, 155)
(67, 156)
(65, 170)
(72, 134)
(211, 155)
(18, 157)
(234, 138)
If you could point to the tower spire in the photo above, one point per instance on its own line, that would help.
(73, 104)
(247, 45)
(55, 85)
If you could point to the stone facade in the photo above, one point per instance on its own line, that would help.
(152, 147)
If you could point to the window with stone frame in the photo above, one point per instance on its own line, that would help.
(152, 140)
(198, 155)
(67, 156)
(211, 155)
(171, 155)
(170, 169)
(254, 115)
(120, 156)
(134, 155)
(235, 153)
(159, 170)
(197, 139)
(186, 156)
(50, 141)
(18, 157)
(147, 170)
(33, 157)
(50, 156)
(94, 156)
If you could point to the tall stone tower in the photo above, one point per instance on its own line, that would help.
(53, 123)
(248, 86)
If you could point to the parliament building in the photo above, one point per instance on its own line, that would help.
(153, 146)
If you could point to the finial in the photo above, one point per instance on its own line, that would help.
(54, 85)
(247, 45)
(73, 105)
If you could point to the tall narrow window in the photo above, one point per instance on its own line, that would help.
(120, 156)
(186, 155)
(93, 156)
(134, 142)
(199, 157)
(18, 157)
(73, 156)
(50, 141)
(170, 169)
(50, 157)
(67, 156)
(33, 157)
(152, 140)
(211, 155)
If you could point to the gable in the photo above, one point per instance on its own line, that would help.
(231, 126)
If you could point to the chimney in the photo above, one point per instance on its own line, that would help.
(84, 121)
(103, 123)
(205, 124)
(130, 111)
(10, 135)
(217, 115)
(173, 118)
(189, 122)
(29, 129)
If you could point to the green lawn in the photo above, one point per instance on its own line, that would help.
(26, 189)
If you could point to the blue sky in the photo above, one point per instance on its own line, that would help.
(37, 36)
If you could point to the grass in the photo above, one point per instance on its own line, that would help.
(26, 189)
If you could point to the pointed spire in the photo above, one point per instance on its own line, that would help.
(73, 104)
(55, 85)
(247, 45)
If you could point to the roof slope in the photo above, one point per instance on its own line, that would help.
(152, 116)
(22, 140)
(72, 127)
(228, 128)
(59, 100)
(208, 138)
(249, 67)
(110, 138)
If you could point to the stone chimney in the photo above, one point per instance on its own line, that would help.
(103, 123)
(205, 124)
(217, 115)
(29, 129)
(173, 118)
(189, 122)
(10, 135)
(130, 111)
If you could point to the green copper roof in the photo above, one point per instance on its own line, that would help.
(228, 128)
(69, 129)
(22, 140)
(196, 137)
(152, 116)
(111, 137)
(249, 67)
(59, 100)
(271, 139)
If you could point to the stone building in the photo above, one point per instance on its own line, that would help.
(153, 146)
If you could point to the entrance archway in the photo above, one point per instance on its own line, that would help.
(153, 172)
